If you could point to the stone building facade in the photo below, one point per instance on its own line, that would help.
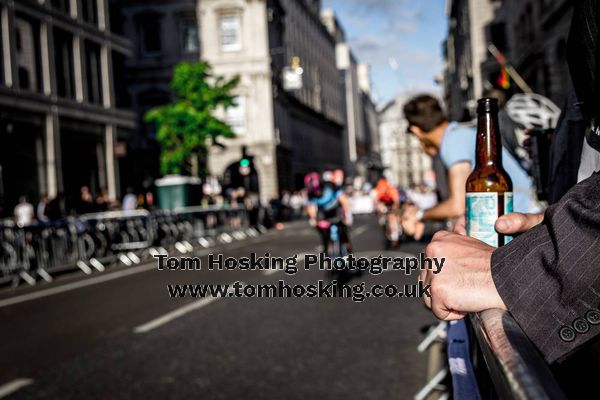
(285, 133)
(63, 110)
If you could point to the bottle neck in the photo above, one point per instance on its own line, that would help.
(489, 146)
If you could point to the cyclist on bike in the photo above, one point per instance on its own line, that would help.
(387, 205)
(327, 205)
(337, 178)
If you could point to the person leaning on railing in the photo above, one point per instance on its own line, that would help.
(547, 277)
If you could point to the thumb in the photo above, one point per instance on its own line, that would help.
(517, 223)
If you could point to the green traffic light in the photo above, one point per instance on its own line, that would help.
(244, 162)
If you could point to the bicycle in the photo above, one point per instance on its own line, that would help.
(336, 249)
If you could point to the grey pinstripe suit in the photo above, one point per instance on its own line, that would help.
(549, 277)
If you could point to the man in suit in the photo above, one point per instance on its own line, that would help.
(547, 276)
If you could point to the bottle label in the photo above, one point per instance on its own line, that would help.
(508, 209)
(482, 213)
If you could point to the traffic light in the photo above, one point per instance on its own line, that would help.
(244, 167)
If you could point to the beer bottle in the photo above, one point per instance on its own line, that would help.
(489, 188)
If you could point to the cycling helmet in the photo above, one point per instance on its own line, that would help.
(327, 176)
(531, 111)
(312, 183)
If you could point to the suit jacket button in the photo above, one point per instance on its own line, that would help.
(593, 317)
(581, 326)
(567, 334)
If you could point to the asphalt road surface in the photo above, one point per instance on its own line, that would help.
(118, 334)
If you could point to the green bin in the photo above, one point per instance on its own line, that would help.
(176, 191)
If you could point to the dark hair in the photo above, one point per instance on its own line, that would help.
(425, 112)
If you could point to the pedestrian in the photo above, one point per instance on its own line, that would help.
(41, 208)
(455, 144)
(102, 201)
(23, 212)
(85, 204)
(130, 200)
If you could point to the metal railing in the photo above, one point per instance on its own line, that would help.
(96, 241)
(506, 363)
(513, 364)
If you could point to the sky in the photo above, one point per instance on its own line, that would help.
(407, 31)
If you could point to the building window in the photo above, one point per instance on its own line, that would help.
(230, 32)
(93, 72)
(27, 38)
(61, 5)
(89, 11)
(63, 60)
(236, 116)
(149, 30)
(122, 96)
(190, 37)
(2, 78)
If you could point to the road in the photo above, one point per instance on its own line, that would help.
(77, 339)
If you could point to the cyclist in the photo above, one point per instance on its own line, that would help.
(387, 205)
(330, 206)
(337, 177)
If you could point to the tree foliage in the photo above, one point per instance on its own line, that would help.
(188, 125)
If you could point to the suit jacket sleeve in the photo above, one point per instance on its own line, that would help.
(549, 277)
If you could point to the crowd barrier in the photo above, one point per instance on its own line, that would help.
(505, 363)
(511, 366)
(39, 251)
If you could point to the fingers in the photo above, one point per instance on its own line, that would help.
(419, 230)
(442, 311)
(425, 277)
(460, 226)
(515, 223)
(410, 225)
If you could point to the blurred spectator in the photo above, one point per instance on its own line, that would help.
(455, 143)
(57, 208)
(85, 204)
(285, 209)
(41, 208)
(296, 203)
(103, 201)
(422, 196)
(130, 200)
(252, 205)
(23, 212)
(149, 201)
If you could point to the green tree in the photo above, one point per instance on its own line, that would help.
(188, 125)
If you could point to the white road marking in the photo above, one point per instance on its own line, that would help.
(360, 230)
(177, 313)
(9, 388)
(75, 285)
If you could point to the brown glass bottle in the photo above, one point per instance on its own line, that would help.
(489, 188)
